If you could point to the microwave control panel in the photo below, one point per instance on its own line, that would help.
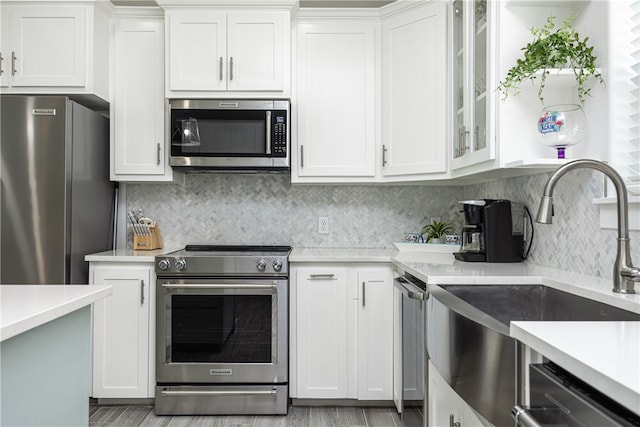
(279, 141)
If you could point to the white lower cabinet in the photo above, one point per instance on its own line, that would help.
(124, 331)
(446, 408)
(341, 331)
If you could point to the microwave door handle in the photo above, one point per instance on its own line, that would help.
(268, 138)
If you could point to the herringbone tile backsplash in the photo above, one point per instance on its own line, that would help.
(269, 210)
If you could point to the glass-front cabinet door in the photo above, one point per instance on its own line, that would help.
(473, 98)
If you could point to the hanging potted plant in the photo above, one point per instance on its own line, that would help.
(556, 48)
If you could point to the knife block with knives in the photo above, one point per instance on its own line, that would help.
(147, 238)
(146, 234)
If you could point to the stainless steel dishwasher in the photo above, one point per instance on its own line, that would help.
(558, 398)
(409, 359)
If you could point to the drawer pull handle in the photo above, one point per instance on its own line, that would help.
(322, 276)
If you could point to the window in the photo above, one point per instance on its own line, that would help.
(624, 86)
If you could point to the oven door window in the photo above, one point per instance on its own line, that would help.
(219, 133)
(222, 328)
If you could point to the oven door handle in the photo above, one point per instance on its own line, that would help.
(219, 286)
(218, 393)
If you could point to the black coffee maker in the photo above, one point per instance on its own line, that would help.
(493, 231)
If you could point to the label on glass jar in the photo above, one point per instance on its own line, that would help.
(550, 122)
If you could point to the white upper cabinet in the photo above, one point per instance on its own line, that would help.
(197, 50)
(336, 102)
(256, 50)
(371, 91)
(138, 143)
(5, 46)
(55, 48)
(472, 28)
(414, 95)
(212, 53)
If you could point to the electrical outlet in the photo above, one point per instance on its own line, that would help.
(323, 224)
(434, 218)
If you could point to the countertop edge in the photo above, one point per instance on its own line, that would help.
(624, 395)
(341, 255)
(54, 311)
(126, 255)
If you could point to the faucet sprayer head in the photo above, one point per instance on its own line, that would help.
(545, 210)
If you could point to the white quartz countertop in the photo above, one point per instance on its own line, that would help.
(126, 255)
(24, 307)
(444, 269)
(340, 255)
(606, 355)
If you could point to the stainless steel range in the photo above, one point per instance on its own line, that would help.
(222, 330)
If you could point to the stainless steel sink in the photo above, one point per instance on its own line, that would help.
(469, 343)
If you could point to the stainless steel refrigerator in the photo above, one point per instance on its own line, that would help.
(57, 200)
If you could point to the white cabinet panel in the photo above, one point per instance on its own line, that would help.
(321, 312)
(256, 51)
(138, 108)
(218, 51)
(197, 50)
(55, 48)
(341, 331)
(336, 100)
(414, 92)
(49, 45)
(5, 46)
(121, 332)
(375, 334)
(473, 29)
(447, 408)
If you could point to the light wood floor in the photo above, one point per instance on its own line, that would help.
(298, 416)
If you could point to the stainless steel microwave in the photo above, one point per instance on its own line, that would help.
(230, 135)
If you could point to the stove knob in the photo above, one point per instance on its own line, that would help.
(277, 265)
(181, 264)
(163, 264)
(261, 265)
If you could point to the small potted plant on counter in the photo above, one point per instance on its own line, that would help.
(434, 232)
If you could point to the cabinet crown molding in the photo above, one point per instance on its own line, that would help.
(226, 4)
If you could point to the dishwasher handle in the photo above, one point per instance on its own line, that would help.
(410, 289)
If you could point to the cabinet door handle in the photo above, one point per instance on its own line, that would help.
(13, 63)
(452, 423)
(302, 156)
(329, 276)
(141, 292)
(462, 140)
(158, 153)
(384, 155)
(1, 59)
(363, 292)
(231, 68)
(221, 68)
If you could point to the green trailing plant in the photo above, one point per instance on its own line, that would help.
(553, 49)
(435, 230)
